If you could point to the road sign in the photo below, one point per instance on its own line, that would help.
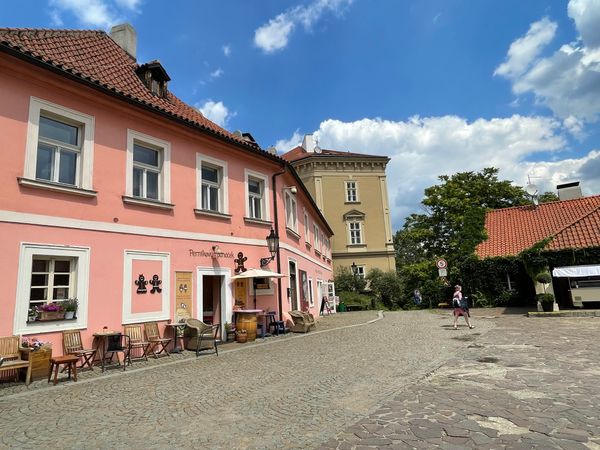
(441, 263)
(443, 272)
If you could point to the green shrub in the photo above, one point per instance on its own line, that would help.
(544, 278)
(545, 298)
(355, 299)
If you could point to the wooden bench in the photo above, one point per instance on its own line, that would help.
(443, 305)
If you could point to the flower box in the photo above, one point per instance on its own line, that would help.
(51, 315)
(39, 361)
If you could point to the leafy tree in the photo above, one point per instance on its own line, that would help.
(387, 287)
(346, 281)
(547, 197)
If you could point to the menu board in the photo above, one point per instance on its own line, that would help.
(183, 296)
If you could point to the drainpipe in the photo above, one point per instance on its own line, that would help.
(276, 226)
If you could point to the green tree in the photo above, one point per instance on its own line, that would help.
(548, 197)
(346, 281)
(387, 287)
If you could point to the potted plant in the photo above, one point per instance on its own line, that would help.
(230, 332)
(241, 336)
(32, 315)
(547, 301)
(70, 308)
(51, 311)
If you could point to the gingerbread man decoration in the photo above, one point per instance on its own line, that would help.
(155, 284)
(141, 283)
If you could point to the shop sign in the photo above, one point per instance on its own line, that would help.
(211, 253)
(183, 296)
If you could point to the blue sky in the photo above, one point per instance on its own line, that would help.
(440, 86)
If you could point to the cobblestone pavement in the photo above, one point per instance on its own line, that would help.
(530, 383)
(293, 391)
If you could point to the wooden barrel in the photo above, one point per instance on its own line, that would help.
(247, 321)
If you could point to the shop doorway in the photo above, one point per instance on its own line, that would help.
(214, 298)
(293, 292)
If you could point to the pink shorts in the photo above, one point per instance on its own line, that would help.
(460, 312)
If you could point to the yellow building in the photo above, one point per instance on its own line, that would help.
(350, 189)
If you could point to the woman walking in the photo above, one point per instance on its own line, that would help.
(461, 308)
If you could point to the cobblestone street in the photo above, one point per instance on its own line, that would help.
(407, 380)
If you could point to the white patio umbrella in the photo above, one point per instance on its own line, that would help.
(257, 273)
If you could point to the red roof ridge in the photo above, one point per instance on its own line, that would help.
(542, 205)
(52, 30)
(576, 221)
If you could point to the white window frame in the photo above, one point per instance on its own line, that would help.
(291, 212)
(223, 189)
(264, 179)
(316, 238)
(349, 189)
(306, 227)
(164, 147)
(85, 161)
(361, 271)
(311, 296)
(128, 286)
(81, 282)
(360, 230)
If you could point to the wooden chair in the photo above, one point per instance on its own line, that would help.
(137, 341)
(118, 343)
(11, 358)
(201, 336)
(153, 336)
(72, 345)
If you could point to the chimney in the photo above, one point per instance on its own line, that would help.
(308, 143)
(569, 191)
(125, 36)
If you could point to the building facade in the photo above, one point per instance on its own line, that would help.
(350, 189)
(118, 194)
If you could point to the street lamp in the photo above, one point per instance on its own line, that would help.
(354, 269)
(273, 245)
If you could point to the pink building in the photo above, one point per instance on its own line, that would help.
(107, 177)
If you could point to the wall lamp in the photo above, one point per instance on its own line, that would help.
(273, 244)
(292, 189)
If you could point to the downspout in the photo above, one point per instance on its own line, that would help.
(276, 226)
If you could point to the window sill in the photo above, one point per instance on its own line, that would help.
(50, 320)
(308, 245)
(357, 202)
(56, 187)
(356, 245)
(292, 233)
(146, 202)
(215, 214)
(252, 220)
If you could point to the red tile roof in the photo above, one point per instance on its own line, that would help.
(298, 153)
(94, 57)
(571, 223)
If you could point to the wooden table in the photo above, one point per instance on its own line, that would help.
(69, 360)
(102, 337)
(177, 334)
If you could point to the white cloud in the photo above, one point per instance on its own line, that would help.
(423, 148)
(567, 81)
(216, 111)
(55, 18)
(129, 4)
(89, 12)
(217, 73)
(226, 50)
(275, 34)
(283, 145)
(524, 50)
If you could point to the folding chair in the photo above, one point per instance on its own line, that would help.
(153, 336)
(72, 345)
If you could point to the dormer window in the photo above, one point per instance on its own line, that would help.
(155, 77)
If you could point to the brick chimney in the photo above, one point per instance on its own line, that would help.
(126, 37)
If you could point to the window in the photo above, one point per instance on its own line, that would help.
(355, 231)
(51, 273)
(351, 192)
(306, 227)
(316, 237)
(60, 148)
(146, 172)
(52, 280)
(257, 194)
(361, 271)
(212, 185)
(148, 169)
(291, 219)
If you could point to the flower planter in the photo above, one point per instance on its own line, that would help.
(51, 315)
(548, 306)
(39, 361)
(69, 315)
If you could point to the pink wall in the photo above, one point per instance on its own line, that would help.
(18, 82)
(145, 302)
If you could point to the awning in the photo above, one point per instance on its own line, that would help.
(577, 271)
(257, 273)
